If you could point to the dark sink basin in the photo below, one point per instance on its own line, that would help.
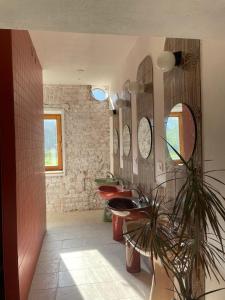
(122, 203)
(123, 207)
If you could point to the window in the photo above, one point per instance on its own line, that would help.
(53, 142)
(99, 94)
(174, 134)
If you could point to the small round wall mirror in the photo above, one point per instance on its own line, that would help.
(144, 137)
(115, 141)
(126, 140)
(181, 132)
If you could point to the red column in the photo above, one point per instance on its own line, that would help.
(133, 263)
(117, 223)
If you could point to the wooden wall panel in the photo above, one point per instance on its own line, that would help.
(116, 157)
(127, 170)
(145, 108)
(183, 85)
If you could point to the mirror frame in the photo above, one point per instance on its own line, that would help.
(126, 125)
(178, 162)
(115, 131)
(151, 132)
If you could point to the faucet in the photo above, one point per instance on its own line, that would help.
(109, 174)
(141, 196)
(122, 182)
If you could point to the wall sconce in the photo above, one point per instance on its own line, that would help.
(167, 60)
(138, 87)
(121, 103)
(112, 100)
(112, 112)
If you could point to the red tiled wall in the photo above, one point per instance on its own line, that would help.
(22, 131)
(30, 183)
(8, 169)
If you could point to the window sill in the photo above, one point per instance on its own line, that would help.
(54, 173)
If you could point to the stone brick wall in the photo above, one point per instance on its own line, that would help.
(87, 153)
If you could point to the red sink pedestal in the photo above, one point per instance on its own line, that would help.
(117, 223)
(133, 263)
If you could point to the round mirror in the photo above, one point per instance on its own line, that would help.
(126, 140)
(181, 132)
(115, 141)
(144, 137)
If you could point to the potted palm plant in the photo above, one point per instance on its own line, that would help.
(188, 239)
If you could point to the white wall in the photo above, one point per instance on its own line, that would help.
(213, 118)
(143, 47)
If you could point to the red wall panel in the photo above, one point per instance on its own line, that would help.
(30, 178)
(27, 102)
(8, 169)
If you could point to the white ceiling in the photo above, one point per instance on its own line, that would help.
(76, 58)
(62, 54)
(175, 18)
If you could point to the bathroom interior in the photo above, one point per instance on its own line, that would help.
(98, 130)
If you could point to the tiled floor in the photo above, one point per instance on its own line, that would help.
(80, 261)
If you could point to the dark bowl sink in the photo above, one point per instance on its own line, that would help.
(126, 206)
(121, 203)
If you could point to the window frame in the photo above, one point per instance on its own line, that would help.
(103, 89)
(58, 117)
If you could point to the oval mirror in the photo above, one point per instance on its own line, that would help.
(144, 137)
(126, 140)
(181, 132)
(115, 141)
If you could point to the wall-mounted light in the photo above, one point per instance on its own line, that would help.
(112, 112)
(122, 103)
(135, 87)
(139, 87)
(113, 97)
(167, 60)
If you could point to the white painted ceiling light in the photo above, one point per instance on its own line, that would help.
(99, 94)
(167, 60)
